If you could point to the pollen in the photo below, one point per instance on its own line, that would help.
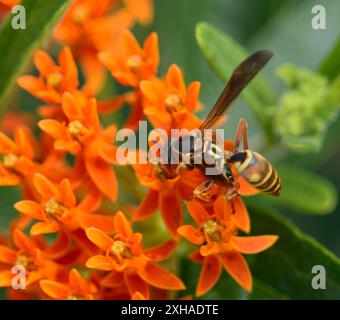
(172, 101)
(134, 61)
(54, 208)
(54, 79)
(120, 249)
(9, 160)
(22, 261)
(76, 128)
(211, 228)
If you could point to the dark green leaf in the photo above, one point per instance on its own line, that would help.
(223, 55)
(330, 66)
(17, 46)
(303, 191)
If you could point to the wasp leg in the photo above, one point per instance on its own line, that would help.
(204, 191)
(163, 172)
(183, 166)
(241, 133)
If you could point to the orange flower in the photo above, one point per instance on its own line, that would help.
(216, 235)
(124, 256)
(17, 161)
(77, 288)
(133, 64)
(83, 136)
(28, 255)
(164, 193)
(57, 209)
(53, 79)
(168, 104)
(6, 5)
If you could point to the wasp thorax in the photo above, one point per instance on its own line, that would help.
(76, 128)
(54, 79)
(9, 160)
(54, 209)
(211, 228)
(120, 249)
(134, 61)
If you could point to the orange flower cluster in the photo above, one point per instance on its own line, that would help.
(70, 241)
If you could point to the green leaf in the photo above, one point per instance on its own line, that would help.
(17, 46)
(223, 55)
(305, 112)
(302, 191)
(330, 66)
(284, 271)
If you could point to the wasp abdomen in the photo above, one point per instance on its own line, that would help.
(256, 170)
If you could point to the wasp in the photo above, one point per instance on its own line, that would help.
(250, 165)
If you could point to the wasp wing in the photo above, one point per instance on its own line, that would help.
(241, 76)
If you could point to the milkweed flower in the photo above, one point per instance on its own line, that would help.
(57, 209)
(28, 255)
(18, 156)
(168, 104)
(90, 27)
(220, 246)
(77, 288)
(83, 136)
(132, 63)
(54, 79)
(125, 257)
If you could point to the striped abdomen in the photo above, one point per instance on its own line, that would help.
(256, 170)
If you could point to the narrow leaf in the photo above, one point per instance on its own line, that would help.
(17, 46)
(330, 66)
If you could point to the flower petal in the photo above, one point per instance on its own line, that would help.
(99, 238)
(100, 262)
(54, 289)
(255, 244)
(45, 187)
(100, 221)
(66, 194)
(6, 278)
(71, 108)
(235, 264)
(171, 210)
(44, 228)
(122, 225)
(197, 211)
(240, 214)
(135, 284)
(162, 251)
(210, 273)
(158, 277)
(53, 128)
(7, 255)
(102, 176)
(191, 234)
(21, 241)
(148, 206)
(30, 208)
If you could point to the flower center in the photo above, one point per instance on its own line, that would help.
(134, 61)
(54, 79)
(26, 262)
(120, 249)
(211, 228)
(54, 209)
(9, 160)
(173, 102)
(80, 14)
(73, 296)
(76, 128)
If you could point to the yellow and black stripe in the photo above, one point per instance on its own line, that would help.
(256, 170)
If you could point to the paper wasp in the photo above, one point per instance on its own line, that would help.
(250, 165)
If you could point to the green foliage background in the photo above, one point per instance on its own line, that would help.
(207, 39)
